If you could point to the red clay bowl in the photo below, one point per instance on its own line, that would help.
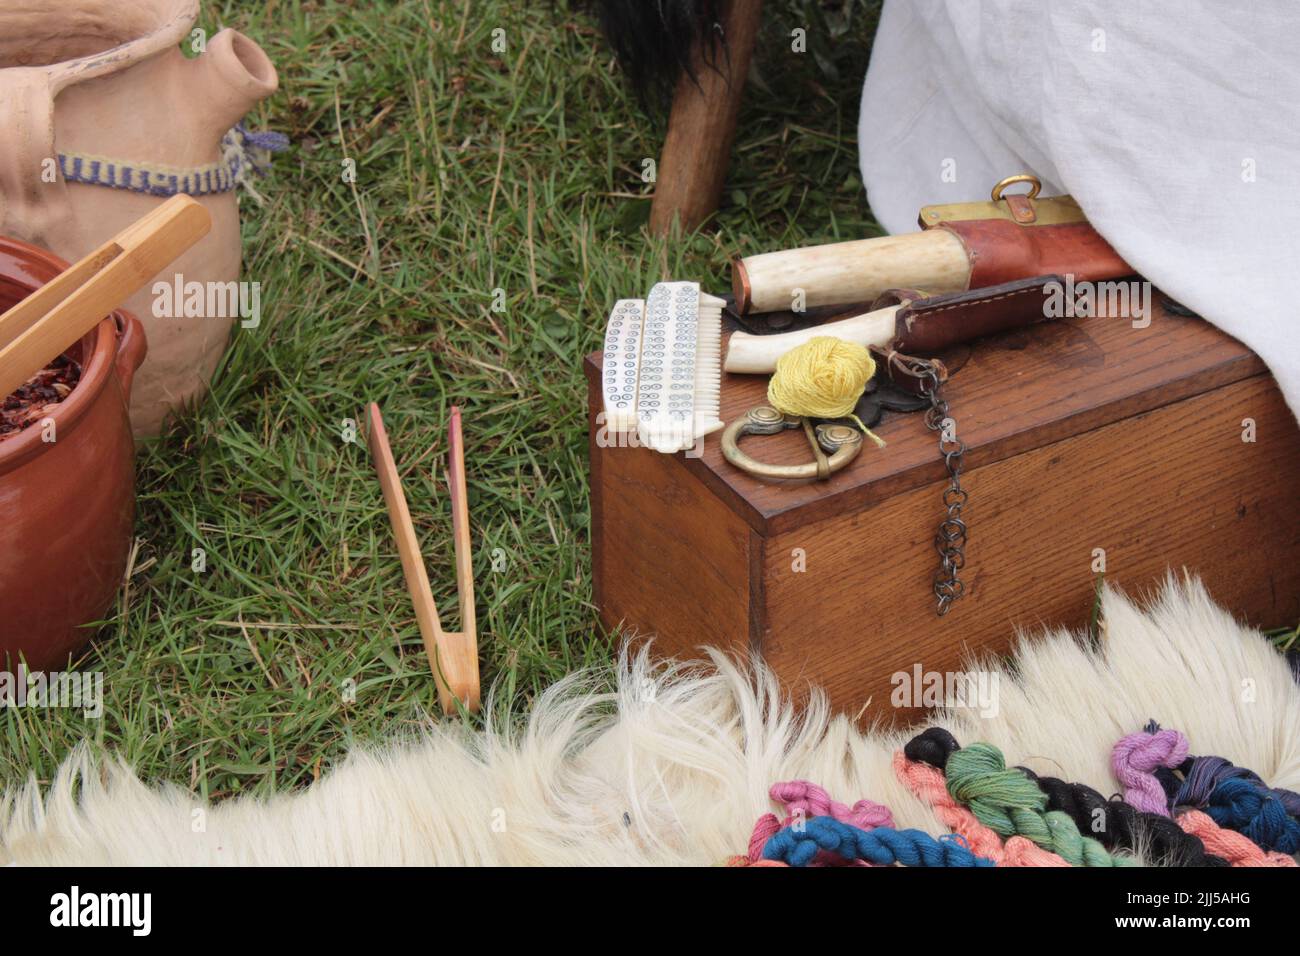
(67, 507)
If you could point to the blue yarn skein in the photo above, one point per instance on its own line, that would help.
(1197, 777)
(1243, 806)
(797, 845)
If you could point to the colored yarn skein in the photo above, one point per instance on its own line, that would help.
(934, 746)
(1192, 782)
(1255, 813)
(1122, 825)
(801, 796)
(1236, 848)
(1007, 801)
(1167, 844)
(798, 845)
(822, 378)
(1134, 760)
(801, 799)
(928, 784)
(1238, 801)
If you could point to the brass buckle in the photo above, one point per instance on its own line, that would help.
(1035, 186)
(833, 445)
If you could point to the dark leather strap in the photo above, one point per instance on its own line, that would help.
(930, 323)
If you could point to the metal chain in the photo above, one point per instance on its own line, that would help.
(950, 540)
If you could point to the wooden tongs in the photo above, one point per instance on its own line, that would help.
(453, 655)
(49, 321)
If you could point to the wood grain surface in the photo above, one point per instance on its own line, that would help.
(1084, 434)
(669, 559)
(1015, 392)
(1165, 490)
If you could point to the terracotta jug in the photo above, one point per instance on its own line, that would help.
(67, 505)
(92, 89)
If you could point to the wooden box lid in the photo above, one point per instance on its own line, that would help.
(1014, 392)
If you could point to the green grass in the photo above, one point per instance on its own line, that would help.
(475, 171)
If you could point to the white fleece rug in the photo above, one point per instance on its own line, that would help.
(673, 765)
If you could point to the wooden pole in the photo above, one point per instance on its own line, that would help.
(697, 150)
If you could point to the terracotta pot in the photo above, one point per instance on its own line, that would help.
(106, 78)
(67, 507)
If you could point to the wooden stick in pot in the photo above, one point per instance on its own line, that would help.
(49, 321)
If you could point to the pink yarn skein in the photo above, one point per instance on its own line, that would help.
(800, 799)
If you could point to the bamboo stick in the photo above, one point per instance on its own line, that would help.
(453, 657)
(50, 320)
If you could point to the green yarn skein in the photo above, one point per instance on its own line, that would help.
(1009, 803)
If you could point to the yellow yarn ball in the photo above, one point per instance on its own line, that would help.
(823, 378)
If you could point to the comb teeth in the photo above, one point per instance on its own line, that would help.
(621, 361)
(708, 366)
(680, 380)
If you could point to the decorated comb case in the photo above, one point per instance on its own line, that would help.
(661, 371)
(621, 361)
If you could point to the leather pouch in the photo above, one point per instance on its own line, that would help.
(927, 324)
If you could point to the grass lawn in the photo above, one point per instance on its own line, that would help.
(476, 171)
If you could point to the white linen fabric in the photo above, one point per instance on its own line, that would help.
(1176, 126)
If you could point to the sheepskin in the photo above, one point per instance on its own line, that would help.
(670, 764)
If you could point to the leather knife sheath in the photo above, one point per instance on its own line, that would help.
(928, 324)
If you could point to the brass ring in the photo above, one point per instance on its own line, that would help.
(843, 442)
(1035, 185)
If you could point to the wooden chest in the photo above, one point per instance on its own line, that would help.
(1089, 441)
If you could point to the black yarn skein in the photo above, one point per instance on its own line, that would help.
(1168, 844)
(933, 746)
